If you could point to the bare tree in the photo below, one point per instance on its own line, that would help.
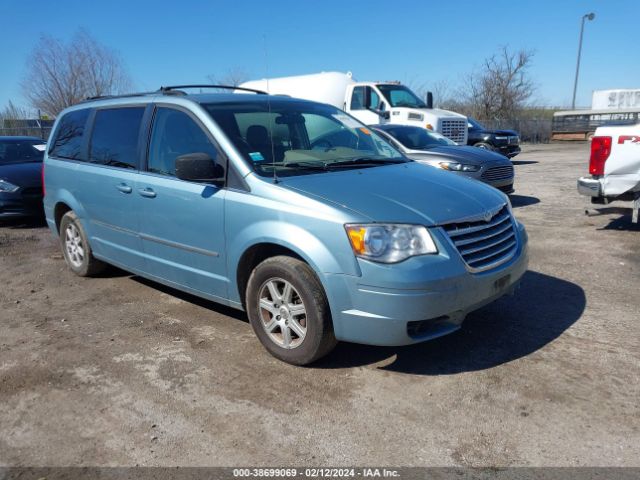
(13, 112)
(501, 88)
(60, 75)
(233, 77)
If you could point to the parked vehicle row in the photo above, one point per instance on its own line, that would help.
(369, 102)
(289, 209)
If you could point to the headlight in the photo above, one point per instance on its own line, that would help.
(459, 167)
(390, 243)
(502, 138)
(6, 187)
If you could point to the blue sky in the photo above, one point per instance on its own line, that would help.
(418, 42)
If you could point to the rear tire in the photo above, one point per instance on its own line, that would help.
(289, 311)
(76, 249)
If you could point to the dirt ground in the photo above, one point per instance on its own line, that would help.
(118, 370)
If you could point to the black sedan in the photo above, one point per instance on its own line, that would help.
(506, 142)
(433, 149)
(21, 177)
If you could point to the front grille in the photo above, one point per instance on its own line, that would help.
(485, 244)
(454, 130)
(498, 173)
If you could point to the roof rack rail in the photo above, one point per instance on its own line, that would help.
(124, 95)
(226, 87)
(171, 90)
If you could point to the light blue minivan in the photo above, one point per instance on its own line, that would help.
(290, 210)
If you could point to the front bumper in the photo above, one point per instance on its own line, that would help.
(14, 205)
(509, 151)
(416, 300)
(590, 187)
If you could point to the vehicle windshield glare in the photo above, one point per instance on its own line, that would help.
(296, 138)
(416, 138)
(400, 96)
(475, 124)
(21, 151)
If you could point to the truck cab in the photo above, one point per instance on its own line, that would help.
(392, 102)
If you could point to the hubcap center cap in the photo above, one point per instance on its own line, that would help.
(284, 312)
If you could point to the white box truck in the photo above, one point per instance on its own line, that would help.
(370, 102)
(614, 167)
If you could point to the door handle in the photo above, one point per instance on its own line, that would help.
(124, 188)
(147, 192)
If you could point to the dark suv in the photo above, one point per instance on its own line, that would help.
(506, 142)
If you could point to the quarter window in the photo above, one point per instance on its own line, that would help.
(114, 140)
(174, 134)
(69, 135)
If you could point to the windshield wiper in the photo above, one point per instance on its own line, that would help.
(365, 162)
(299, 166)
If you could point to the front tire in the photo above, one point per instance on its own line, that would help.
(76, 249)
(484, 146)
(289, 311)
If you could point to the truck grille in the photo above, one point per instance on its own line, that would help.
(498, 173)
(485, 244)
(455, 130)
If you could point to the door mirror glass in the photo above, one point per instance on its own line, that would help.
(198, 167)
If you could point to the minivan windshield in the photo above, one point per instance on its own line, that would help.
(400, 96)
(293, 138)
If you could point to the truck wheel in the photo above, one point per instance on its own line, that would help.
(76, 249)
(288, 310)
(484, 146)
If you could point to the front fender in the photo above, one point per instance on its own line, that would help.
(302, 242)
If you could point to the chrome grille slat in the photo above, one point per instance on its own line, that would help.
(493, 254)
(498, 173)
(494, 243)
(469, 241)
(449, 126)
(484, 245)
(501, 217)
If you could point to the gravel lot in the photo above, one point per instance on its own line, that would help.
(118, 370)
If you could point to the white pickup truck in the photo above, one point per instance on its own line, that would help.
(614, 167)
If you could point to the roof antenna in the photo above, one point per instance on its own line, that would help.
(266, 69)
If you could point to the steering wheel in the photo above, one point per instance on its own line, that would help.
(322, 143)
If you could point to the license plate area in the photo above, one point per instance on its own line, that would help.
(501, 283)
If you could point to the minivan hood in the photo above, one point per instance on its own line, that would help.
(462, 154)
(403, 193)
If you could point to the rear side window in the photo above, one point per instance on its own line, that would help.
(114, 138)
(68, 140)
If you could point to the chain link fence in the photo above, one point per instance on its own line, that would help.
(40, 132)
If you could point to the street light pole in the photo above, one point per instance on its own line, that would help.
(588, 16)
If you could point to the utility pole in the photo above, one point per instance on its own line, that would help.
(588, 16)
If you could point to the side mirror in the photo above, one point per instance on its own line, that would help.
(382, 113)
(198, 167)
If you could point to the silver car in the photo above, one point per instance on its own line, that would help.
(437, 150)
